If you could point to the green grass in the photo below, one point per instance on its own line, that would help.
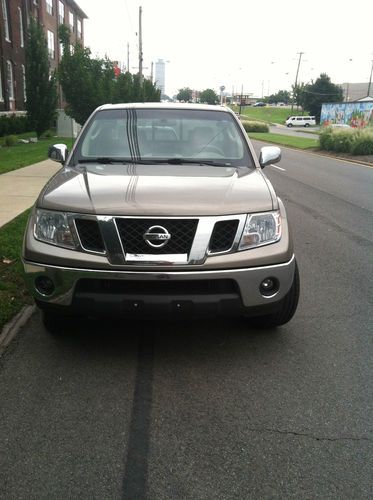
(269, 114)
(13, 292)
(286, 140)
(21, 155)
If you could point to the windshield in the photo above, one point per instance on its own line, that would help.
(163, 135)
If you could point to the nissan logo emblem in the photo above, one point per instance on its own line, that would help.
(157, 236)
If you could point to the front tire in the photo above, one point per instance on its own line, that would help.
(287, 309)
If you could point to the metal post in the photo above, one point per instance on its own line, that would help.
(128, 56)
(140, 44)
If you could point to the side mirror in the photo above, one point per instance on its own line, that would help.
(269, 154)
(58, 152)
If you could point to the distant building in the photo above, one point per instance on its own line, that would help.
(355, 91)
(14, 19)
(160, 75)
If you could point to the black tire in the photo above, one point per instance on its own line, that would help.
(306, 124)
(287, 309)
(290, 125)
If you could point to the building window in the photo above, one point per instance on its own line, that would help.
(21, 27)
(79, 28)
(71, 20)
(49, 7)
(61, 12)
(10, 80)
(24, 82)
(6, 20)
(51, 44)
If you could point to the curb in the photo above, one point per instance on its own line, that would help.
(13, 326)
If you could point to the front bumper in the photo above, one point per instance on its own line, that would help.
(106, 291)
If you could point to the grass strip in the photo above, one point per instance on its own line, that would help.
(13, 292)
(21, 155)
(286, 140)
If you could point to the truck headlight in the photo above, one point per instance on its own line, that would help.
(53, 227)
(261, 229)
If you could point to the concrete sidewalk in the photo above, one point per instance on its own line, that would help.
(20, 188)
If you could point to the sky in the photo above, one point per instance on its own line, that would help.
(240, 44)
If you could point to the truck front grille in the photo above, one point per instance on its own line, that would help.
(131, 232)
(223, 236)
(90, 235)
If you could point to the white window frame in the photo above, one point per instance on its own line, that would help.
(79, 28)
(71, 21)
(51, 44)
(49, 5)
(6, 20)
(24, 83)
(61, 12)
(1, 86)
(21, 27)
(10, 80)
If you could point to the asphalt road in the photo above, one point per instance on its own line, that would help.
(214, 409)
(295, 131)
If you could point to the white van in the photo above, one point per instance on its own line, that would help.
(300, 121)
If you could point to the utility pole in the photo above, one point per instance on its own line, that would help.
(370, 80)
(296, 79)
(128, 56)
(140, 44)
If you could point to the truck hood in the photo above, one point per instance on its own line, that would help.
(161, 190)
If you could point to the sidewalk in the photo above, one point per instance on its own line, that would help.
(20, 188)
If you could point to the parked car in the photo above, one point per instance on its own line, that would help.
(300, 121)
(260, 104)
(161, 209)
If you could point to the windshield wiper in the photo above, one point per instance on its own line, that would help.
(183, 161)
(104, 159)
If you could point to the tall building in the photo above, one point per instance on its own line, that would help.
(160, 75)
(14, 20)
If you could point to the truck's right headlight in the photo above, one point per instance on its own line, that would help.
(53, 227)
(261, 229)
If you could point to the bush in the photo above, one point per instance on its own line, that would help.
(13, 125)
(363, 144)
(10, 140)
(353, 141)
(255, 126)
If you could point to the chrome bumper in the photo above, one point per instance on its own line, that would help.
(248, 280)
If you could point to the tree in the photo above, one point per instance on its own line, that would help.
(41, 89)
(88, 83)
(281, 96)
(184, 94)
(209, 96)
(315, 94)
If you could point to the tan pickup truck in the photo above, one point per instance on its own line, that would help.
(158, 210)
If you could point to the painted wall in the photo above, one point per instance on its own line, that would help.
(355, 114)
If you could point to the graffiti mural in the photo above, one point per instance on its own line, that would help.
(355, 114)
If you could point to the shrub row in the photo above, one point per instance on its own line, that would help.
(355, 142)
(255, 126)
(14, 125)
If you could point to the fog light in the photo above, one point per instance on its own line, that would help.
(44, 285)
(269, 286)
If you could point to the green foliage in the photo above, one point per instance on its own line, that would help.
(41, 89)
(285, 140)
(255, 126)
(355, 142)
(363, 144)
(281, 96)
(312, 96)
(10, 140)
(88, 83)
(209, 96)
(184, 94)
(14, 125)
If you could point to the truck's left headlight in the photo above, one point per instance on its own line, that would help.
(261, 229)
(53, 227)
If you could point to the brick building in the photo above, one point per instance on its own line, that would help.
(14, 19)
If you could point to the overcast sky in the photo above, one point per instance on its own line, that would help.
(241, 42)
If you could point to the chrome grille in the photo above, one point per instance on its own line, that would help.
(131, 232)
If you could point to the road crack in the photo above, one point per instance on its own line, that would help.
(309, 435)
